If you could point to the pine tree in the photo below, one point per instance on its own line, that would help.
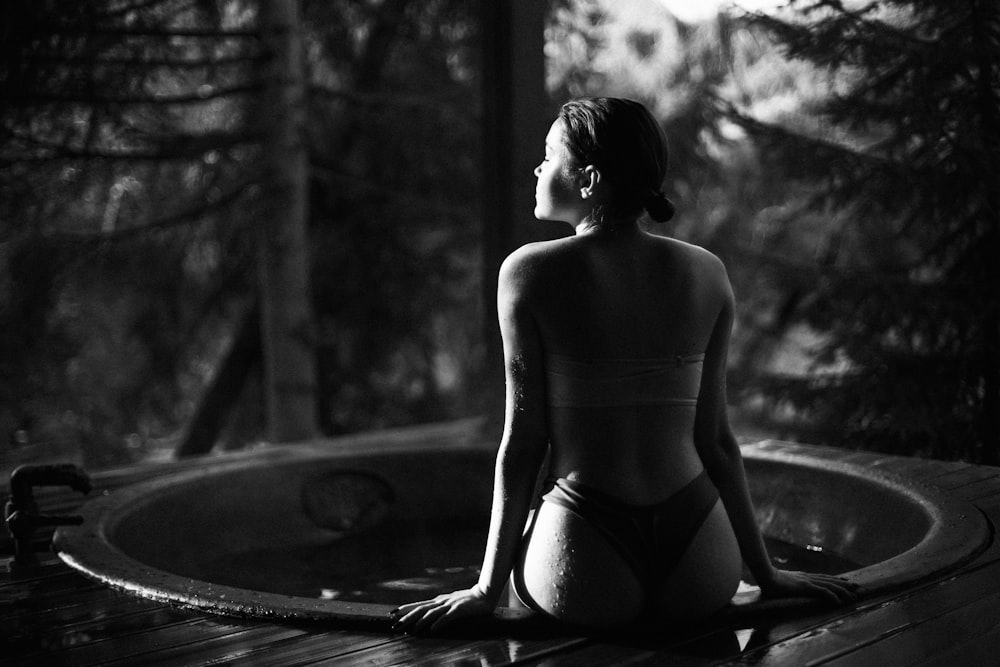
(902, 157)
(125, 170)
(141, 153)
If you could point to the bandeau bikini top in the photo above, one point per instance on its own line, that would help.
(580, 382)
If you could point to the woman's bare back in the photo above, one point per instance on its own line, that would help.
(624, 295)
(596, 552)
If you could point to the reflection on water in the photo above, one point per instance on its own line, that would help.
(811, 558)
(395, 564)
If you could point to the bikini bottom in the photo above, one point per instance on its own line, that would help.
(651, 539)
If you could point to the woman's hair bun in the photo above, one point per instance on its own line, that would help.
(660, 208)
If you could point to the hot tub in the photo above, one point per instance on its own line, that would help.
(345, 532)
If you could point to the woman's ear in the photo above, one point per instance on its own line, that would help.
(590, 179)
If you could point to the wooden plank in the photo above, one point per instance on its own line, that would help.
(404, 650)
(706, 647)
(915, 468)
(497, 651)
(82, 606)
(48, 565)
(981, 651)
(12, 585)
(918, 469)
(824, 453)
(704, 650)
(722, 640)
(130, 645)
(48, 641)
(859, 458)
(984, 473)
(442, 650)
(762, 634)
(874, 621)
(954, 481)
(927, 637)
(305, 649)
(41, 595)
(210, 649)
(978, 488)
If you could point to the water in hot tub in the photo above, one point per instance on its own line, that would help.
(401, 563)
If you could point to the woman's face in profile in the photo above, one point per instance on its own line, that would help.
(556, 197)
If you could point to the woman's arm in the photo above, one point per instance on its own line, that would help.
(525, 436)
(720, 454)
(522, 450)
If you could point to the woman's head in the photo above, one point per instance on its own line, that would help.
(625, 144)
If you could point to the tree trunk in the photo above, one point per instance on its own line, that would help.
(986, 77)
(515, 120)
(285, 300)
(225, 389)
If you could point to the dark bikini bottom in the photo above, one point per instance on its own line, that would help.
(651, 539)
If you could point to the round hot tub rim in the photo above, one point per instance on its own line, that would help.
(957, 530)
(958, 533)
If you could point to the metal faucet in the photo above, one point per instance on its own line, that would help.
(21, 511)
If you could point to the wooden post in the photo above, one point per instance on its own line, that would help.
(516, 116)
(285, 299)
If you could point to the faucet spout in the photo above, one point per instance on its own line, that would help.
(25, 477)
(21, 512)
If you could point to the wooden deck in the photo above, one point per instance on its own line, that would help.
(51, 615)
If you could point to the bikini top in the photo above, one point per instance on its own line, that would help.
(580, 382)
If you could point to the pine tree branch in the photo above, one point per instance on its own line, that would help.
(48, 97)
(157, 32)
(332, 171)
(187, 216)
(176, 147)
(821, 151)
(851, 31)
(128, 8)
(134, 61)
(451, 109)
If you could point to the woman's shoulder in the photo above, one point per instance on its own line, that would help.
(532, 258)
(695, 256)
(700, 269)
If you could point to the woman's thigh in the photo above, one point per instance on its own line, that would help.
(572, 573)
(707, 576)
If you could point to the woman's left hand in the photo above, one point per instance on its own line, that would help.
(434, 615)
(787, 583)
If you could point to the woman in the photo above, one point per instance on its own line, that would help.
(615, 347)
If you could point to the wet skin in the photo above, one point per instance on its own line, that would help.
(612, 293)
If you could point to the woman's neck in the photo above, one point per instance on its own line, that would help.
(618, 228)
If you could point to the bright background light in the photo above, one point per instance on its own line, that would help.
(692, 11)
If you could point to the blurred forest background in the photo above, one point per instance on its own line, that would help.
(156, 219)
